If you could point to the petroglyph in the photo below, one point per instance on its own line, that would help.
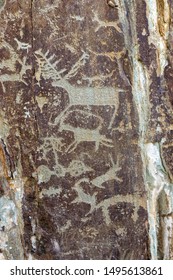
(97, 78)
(76, 66)
(105, 24)
(85, 134)
(44, 174)
(10, 65)
(109, 175)
(22, 45)
(55, 28)
(104, 205)
(52, 142)
(77, 168)
(84, 197)
(77, 95)
(47, 67)
(114, 200)
(41, 100)
(52, 191)
(111, 55)
(77, 18)
(98, 182)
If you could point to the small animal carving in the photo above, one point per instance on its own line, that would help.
(109, 175)
(81, 132)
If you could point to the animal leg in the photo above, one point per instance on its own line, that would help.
(112, 119)
(72, 147)
(107, 143)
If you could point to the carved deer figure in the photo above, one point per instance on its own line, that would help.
(105, 203)
(47, 68)
(84, 134)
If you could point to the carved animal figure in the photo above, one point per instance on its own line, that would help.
(10, 64)
(85, 96)
(86, 131)
(104, 205)
(22, 45)
(109, 175)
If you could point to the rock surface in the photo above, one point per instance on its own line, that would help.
(86, 126)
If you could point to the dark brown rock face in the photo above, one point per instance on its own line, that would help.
(86, 129)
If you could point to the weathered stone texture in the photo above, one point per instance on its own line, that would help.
(86, 129)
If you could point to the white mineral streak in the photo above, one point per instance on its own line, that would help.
(11, 221)
(18, 196)
(9, 225)
(4, 126)
(155, 178)
(155, 38)
(157, 182)
(167, 235)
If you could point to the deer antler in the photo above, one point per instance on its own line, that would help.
(47, 67)
(77, 65)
